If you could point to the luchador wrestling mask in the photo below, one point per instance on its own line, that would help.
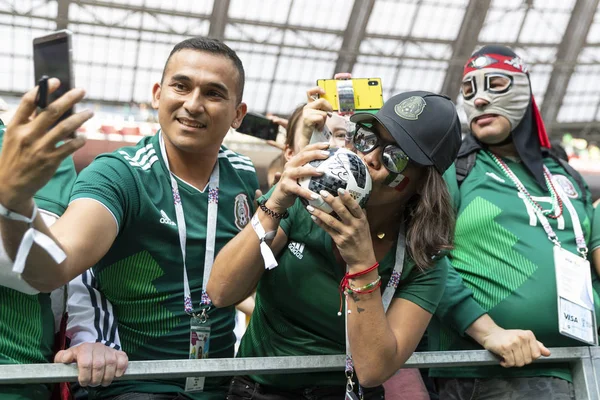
(502, 81)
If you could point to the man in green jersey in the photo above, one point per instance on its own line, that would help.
(145, 219)
(28, 318)
(514, 200)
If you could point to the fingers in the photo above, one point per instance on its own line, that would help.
(122, 363)
(350, 204)
(69, 147)
(28, 102)
(344, 206)
(278, 120)
(320, 218)
(105, 366)
(543, 349)
(84, 358)
(338, 207)
(313, 93)
(534, 348)
(520, 355)
(522, 349)
(508, 358)
(309, 153)
(65, 129)
(276, 178)
(326, 218)
(97, 364)
(291, 187)
(56, 109)
(65, 356)
(319, 104)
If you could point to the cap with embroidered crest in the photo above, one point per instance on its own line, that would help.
(425, 125)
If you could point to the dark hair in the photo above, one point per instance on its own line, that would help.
(430, 230)
(293, 121)
(213, 46)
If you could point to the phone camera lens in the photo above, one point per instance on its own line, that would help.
(373, 83)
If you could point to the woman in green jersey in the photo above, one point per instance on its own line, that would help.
(407, 146)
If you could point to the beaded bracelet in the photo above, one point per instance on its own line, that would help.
(344, 284)
(348, 276)
(368, 288)
(271, 213)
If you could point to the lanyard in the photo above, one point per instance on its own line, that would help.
(211, 225)
(579, 238)
(387, 297)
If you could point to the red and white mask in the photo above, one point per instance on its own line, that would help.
(502, 81)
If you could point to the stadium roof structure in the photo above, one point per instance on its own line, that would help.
(120, 46)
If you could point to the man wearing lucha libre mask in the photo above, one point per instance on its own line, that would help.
(519, 209)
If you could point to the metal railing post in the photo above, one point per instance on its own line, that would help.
(584, 380)
(595, 356)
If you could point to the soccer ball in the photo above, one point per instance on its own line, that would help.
(343, 169)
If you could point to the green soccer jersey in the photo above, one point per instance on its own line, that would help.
(141, 276)
(297, 303)
(26, 321)
(503, 255)
(595, 242)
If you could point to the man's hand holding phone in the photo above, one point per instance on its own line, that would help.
(31, 152)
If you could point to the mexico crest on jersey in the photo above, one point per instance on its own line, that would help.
(241, 210)
(567, 186)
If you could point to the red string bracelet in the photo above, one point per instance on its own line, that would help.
(344, 284)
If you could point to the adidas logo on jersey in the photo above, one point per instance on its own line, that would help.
(297, 249)
(165, 219)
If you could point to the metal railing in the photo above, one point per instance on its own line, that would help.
(584, 361)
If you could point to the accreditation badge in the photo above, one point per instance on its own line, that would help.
(199, 346)
(576, 315)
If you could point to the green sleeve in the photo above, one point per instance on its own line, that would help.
(110, 182)
(54, 196)
(424, 288)
(458, 309)
(595, 238)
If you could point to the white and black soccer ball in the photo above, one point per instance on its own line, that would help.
(343, 169)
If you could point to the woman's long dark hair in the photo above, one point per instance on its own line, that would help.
(431, 220)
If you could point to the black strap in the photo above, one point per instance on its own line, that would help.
(464, 164)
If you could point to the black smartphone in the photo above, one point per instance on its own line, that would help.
(258, 126)
(52, 57)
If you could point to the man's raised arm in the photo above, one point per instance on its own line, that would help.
(31, 153)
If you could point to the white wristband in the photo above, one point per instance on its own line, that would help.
(31, 236)
(263, 236)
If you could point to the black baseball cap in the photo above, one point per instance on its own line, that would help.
(425, 125)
